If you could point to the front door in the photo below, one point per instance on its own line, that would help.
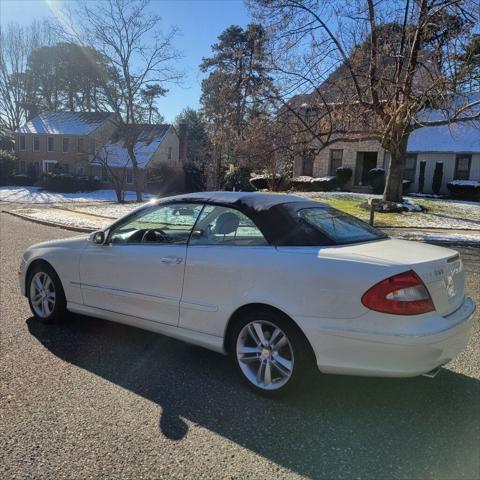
(139, 271)
(364, 163)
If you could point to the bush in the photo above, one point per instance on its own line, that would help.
(261, 182)
(64, 183)
(376, 179)
(464, 189)
(437, 178)
(312, 184)
(163, 179)
(238, 179)
(342, 176)
(406, 185)
(8, 161)
(194, 178)
(21, 180)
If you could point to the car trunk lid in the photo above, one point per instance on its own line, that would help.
(440, 268)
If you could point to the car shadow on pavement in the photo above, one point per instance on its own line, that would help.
(337, 427)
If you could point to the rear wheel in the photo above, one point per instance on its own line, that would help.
(45, 294)
(270, 352)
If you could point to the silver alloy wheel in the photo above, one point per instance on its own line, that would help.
(265, 355)
(42, 294)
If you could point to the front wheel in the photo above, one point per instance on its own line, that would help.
(45, 294)
(270, 352)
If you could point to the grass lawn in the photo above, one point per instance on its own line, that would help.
(441, 213)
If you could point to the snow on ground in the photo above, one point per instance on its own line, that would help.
(107, 210)
(454, 238)
(35, 195)
(64, 218)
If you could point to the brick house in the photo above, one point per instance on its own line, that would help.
(73, 142)
(62, 141)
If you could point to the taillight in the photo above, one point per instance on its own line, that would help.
(402, 294)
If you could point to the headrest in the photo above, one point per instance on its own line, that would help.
(226, 223)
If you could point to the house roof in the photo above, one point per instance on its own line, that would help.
(149, 138)
(65, 123)
(457, 137)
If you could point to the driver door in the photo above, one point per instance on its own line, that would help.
(139, 270)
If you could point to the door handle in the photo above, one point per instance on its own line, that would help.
(176, 260)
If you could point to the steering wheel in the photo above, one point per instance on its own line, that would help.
(155, 235)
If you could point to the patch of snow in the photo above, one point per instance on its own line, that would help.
(454, 238)
(65, 123)
(64, 218)
(36, 195)
(472, 183)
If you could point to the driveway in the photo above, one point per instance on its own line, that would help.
(93, 399)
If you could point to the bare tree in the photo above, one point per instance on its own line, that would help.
(16, 44)
(116, 172)
(128, 34)
(373, 70)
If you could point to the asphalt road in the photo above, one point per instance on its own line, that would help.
(94, 399)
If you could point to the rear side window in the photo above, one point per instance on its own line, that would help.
(340, 227)
(226, 226)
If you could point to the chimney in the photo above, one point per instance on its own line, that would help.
(182, 137)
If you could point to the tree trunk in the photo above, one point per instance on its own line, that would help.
(394, 183)
(135, 170)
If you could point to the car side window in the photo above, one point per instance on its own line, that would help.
(226, 226)
(164, 224)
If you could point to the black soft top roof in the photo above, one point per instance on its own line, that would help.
(275, 214)
(255, 200)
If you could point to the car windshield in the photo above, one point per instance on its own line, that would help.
(340, 227)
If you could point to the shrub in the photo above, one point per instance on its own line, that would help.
(312, 184)
(437, 178)
(65, 183)
(163, 179)
(21, 180)
(342, 176)
(8, 160)
(262, 182)
(376, 179)
(406, 185)
(194, 178)
(238, 179)
(464, 189)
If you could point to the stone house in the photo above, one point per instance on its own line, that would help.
(456, 147)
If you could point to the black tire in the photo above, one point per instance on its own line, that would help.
(303, 356)
(59, 309)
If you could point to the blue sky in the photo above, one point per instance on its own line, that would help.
(199, 21)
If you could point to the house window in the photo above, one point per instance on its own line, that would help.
(169, 153)
(22, 166)
(104, 175)
(36, 143)
(310, 115)
(50, 144)
(65, 144)
(336, 157)
(410, 167)
(80, 145)
(23, 146)
(92, 146)
(129, 177)
(462, 167)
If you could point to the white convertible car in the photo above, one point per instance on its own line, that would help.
(278, 282)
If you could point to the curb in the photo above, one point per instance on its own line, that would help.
(50, 224)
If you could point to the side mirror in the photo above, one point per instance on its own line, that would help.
(98, 237)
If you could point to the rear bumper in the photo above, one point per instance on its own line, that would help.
(405, 355)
